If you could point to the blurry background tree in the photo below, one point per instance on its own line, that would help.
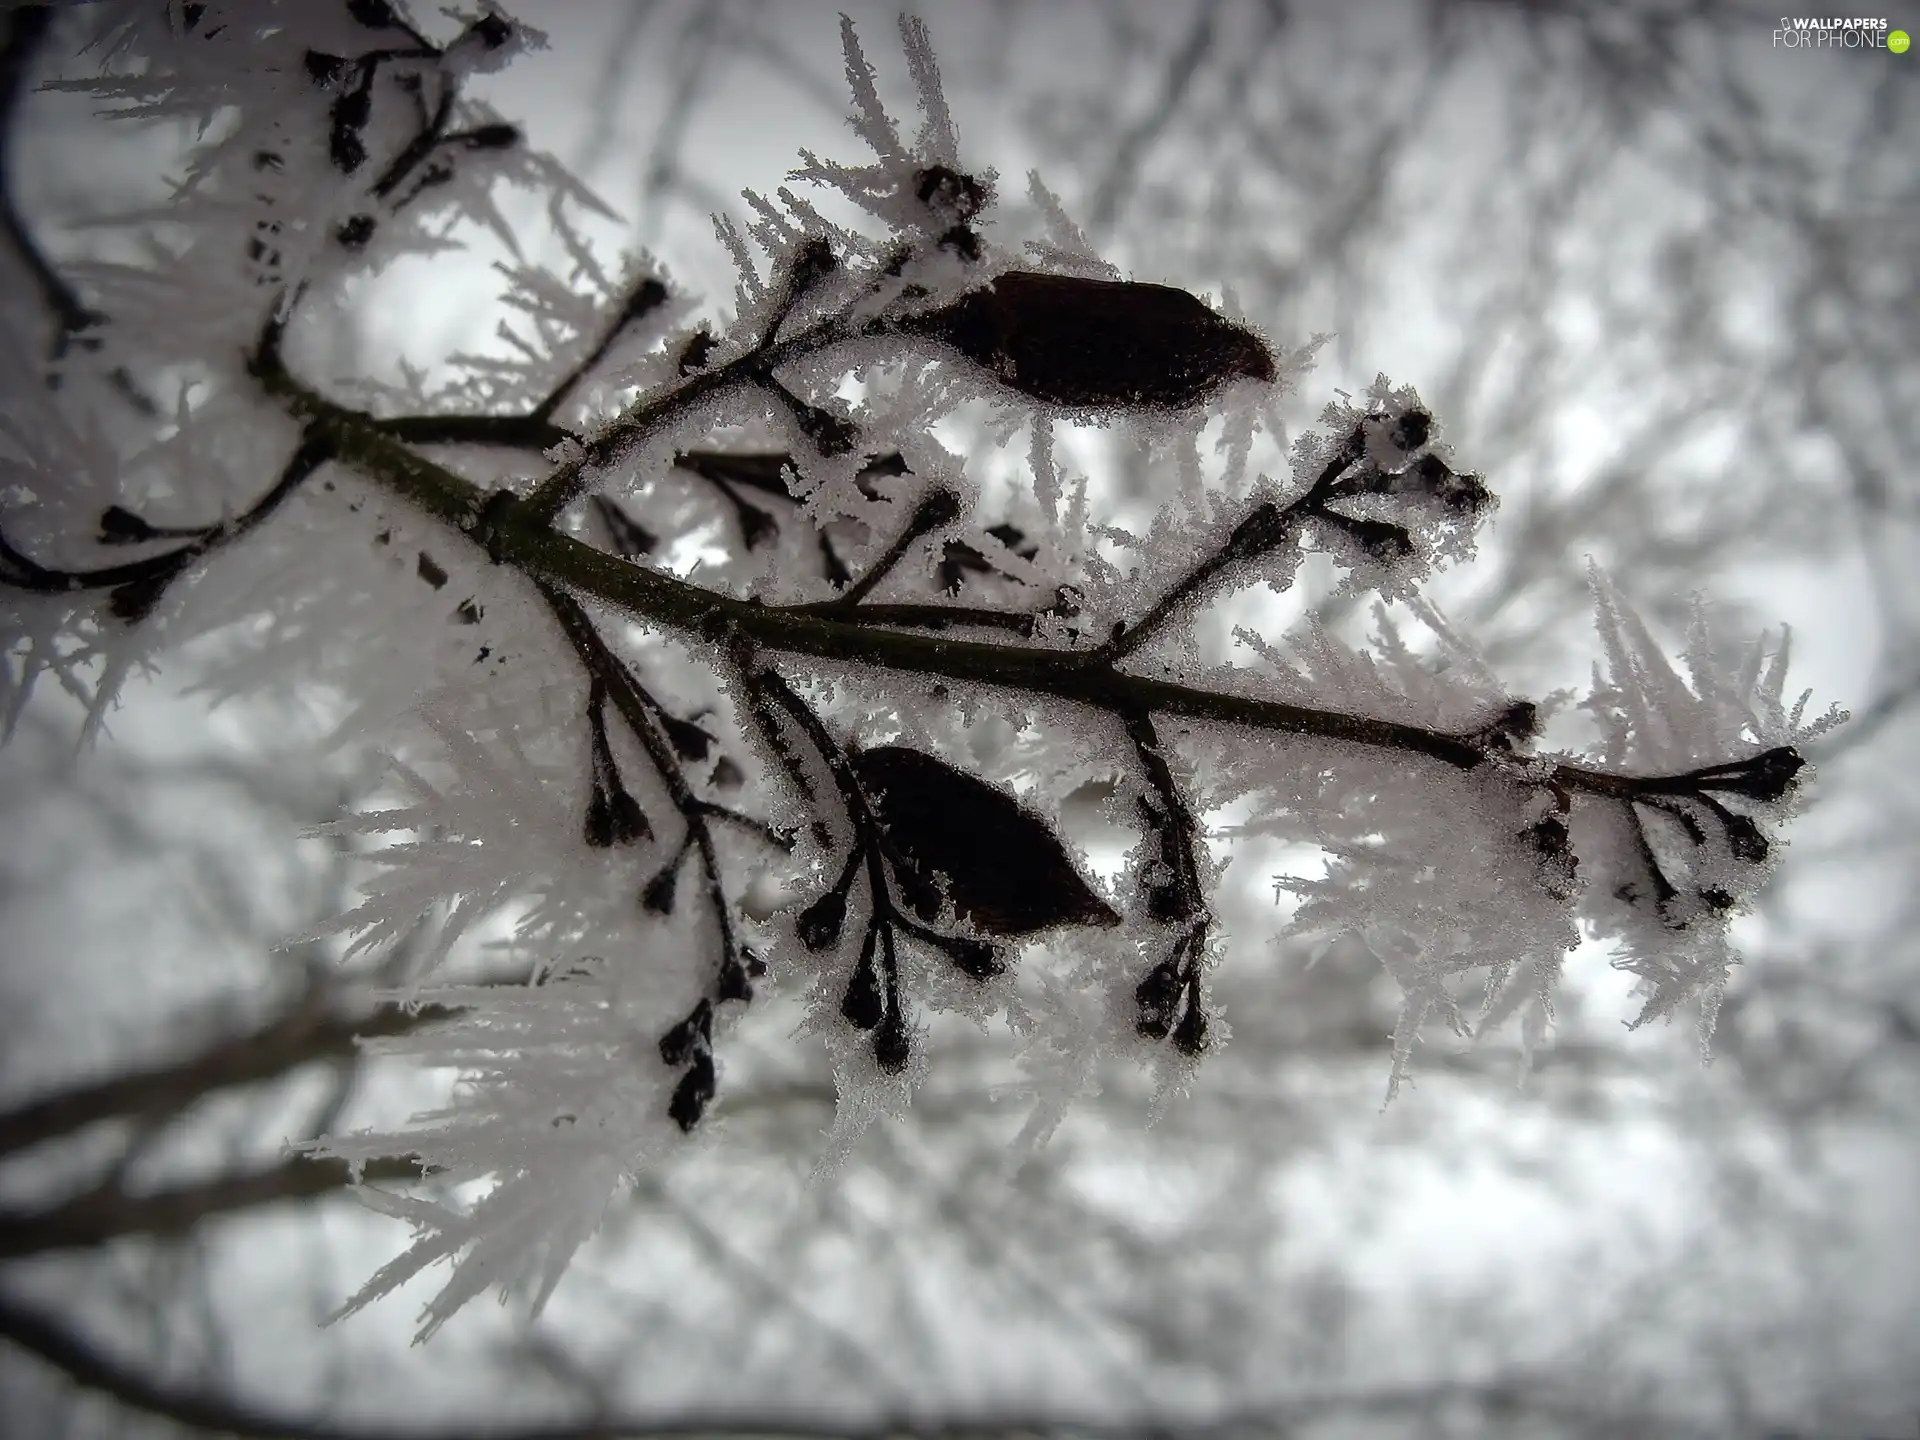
(1658, 276)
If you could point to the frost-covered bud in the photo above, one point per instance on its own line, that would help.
(1384, 541)
(1765, 777)
(1745, 840)
(694, 355)
(1556, 863)
(819, 924)
(1410, 431)
(812, 263)
(692, 1036)
(1190, 1036)
(323, 68)
(120, 526)
(1157, 997)
(1516, 724)
(693, 1094)
(951, 196)
(863, 1006)
(1433, 476)
(493, 137)
(657, 897)
(977, 958)
(892, 1044)
(733, 982)
(1065, 340)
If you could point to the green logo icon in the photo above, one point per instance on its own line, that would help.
(1897, 41)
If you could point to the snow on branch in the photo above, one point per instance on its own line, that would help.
(604, 761)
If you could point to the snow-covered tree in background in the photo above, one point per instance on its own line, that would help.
(683, 762)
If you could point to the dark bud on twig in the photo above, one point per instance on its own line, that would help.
(346, 149)
(694, 356)
(1551, 842)
(1516, 724)
(354, 232)
(961, 241)
(1765, 777)
(493, 30)
(689, 741)
(1457, 492)
(1744, 839)
(693, 1094)
(1064, 340)
(492, 137)
(976, 958)
(649, 295)
(1411, 430)
(692, 1036)
(1190, 1036)
(354, 108)
(598, 830)
(324, 69)
(812, 263)
(613, 817)
(733, 983)
(1381, 539)
(629, 821)
(1157, 997)
(892, 1046)
(820, 923)
(120, 526)
(657, 897)
(949, 194)
(863, 1006)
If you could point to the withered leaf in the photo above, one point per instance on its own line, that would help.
(1065, 340)
(1002, 866)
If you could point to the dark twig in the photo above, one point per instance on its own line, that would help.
(936, 509)
(138, 585)
(68, 1350)
(1265, 529)
(303, 1036)
(109, 1213)
(22, 32)
(645, 297)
